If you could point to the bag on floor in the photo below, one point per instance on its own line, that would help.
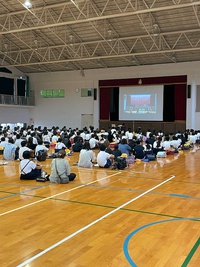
(151, 157)
(121, 163)
(170, 152)
(161, 154)
(41, 155)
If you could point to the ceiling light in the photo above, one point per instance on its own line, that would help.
(36, 44)
(110, 35)
(155, 30)
(27, 4)
(6, 48)
(71, 40)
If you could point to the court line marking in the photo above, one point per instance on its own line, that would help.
(128, 238)
(191, 254)
(92, 223)
(69, 190)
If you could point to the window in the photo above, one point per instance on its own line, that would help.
(85, 92)
(55, 93)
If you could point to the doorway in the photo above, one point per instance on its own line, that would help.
(86, 120)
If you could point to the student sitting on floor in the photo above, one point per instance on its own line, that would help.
(60, 169)
(104, 160)
(86, 156)
(29, 170)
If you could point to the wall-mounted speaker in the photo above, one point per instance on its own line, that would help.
(189, 91)
(95, 93)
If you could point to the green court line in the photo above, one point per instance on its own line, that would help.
(100, 205)
(190, 255)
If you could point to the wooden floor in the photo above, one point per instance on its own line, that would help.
(146, 215)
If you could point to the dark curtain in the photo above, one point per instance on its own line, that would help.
(21, 87)
(6, 86)
(180, 101)
(114, 104)
(168, 103)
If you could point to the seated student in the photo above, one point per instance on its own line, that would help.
(157, 145)
(124, 147)
(108, 149)
(167, 143)
(139, 150)
(175, 143)
(93, 142)
(59, 145)
(104, 160)
(86, 156)
(60, 169)
(77, 146)
(29, 170)
(9, 150)
(24, 148)
(148, 148)
(116, 152)
(39, 147)
(30, 143)
(3, 142)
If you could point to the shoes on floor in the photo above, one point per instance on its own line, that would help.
(96, 165)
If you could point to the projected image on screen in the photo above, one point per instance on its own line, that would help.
(141, 103)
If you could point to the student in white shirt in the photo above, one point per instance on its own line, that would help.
(39, 147)
(28, 169)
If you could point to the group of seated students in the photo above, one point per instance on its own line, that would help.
(138, 144)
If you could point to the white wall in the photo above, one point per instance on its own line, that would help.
(15, 114)
(67, 111)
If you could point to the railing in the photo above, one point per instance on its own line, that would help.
(17, 100)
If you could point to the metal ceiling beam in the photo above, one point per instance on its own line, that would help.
(104, 42)
(7, 26)
(103, 57)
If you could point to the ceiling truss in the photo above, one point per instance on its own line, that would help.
(90, 34)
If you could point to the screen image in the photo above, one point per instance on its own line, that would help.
(141, 103)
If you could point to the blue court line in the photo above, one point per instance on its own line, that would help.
(151, 193)
(181, 196)
(13, 194)
(127, 240)
(107, 187)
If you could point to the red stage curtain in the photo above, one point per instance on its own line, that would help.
(104, 103)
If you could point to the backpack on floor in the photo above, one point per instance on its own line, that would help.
(41, 155)
(121, 163)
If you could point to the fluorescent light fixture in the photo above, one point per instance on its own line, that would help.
(27, 4)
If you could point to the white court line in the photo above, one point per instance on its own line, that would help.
(69, 190)
(92, 223)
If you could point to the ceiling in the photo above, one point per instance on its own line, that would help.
(94, 34)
